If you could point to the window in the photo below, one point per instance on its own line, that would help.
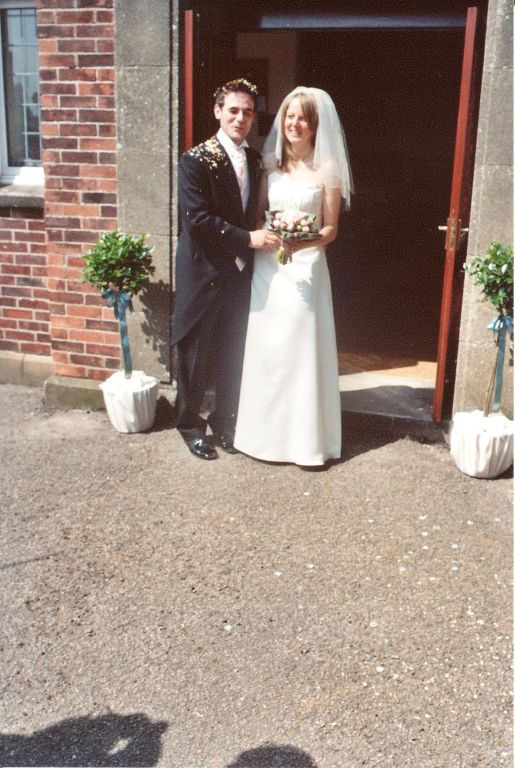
(20, 144)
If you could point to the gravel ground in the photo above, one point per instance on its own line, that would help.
(163, 611)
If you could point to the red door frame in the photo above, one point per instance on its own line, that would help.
(457, 224)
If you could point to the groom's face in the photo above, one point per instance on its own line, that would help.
(236, 115)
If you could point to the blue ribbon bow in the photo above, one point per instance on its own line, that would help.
(120, 301)
(500, 325)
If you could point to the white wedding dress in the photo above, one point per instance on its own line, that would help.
(289, 409)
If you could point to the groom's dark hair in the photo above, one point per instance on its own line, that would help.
(236, 86)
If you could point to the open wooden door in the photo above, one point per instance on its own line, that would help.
(188, 59)
(457, 221)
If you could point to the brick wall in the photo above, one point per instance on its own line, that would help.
(24, 315)
(76, 39)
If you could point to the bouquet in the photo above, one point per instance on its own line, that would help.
(292, 225)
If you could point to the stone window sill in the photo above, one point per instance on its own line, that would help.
(21, 196)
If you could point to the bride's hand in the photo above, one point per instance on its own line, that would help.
(265, 240)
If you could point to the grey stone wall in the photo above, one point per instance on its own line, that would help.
(143, 98)
(492, 209)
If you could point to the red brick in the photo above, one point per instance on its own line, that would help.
(68, 298)
(96, 89)
(75, 129)
(53, 30)
(102, 349)
(49, 129)
(96, 60)
(37, 349)
(83, 359)
(32, 325)
(33, 304)
(107, 130)
(98, 171)
(66, 345)
(18, 314)
(97, 115)
(62, 196)
(106, 102)
(34, 282)
(109, 158)
(66, 89)
(47, 46)
(68, 322)
(11, 346)
(80, 157)
(34, 237)
(101, 144)
(105, 17)
(5, 323)
(10, 246)
(17, 335)
(105, 46)
(75, 17)
(109, 326)
(106, 74)
(14, 269)
(49, 100)
(59, 115)
(63, 170)
(98, 3)
(47, 74)
(94, 30)
(56, 60)
(77, 46)
(75, 371)
(79, 236)
(45, 16)
(100, 224)
(77, 74)
(67, 102)
(85, 311)
(16, 292)
(101, 374)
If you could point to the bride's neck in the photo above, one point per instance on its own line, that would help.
(302, 158)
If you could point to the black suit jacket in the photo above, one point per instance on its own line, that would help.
(214, 229)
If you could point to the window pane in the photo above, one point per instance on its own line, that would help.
(21, 86)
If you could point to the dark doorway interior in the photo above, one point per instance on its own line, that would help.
(397, 94)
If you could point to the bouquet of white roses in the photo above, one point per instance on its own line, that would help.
(292, 225)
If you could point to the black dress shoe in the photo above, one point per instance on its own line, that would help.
(226, 443)
(201, 448)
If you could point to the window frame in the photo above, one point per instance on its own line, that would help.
(25, 175)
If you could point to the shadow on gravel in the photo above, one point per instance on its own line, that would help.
(273, 756)
(108, 740)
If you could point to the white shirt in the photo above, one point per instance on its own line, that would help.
(232, 149)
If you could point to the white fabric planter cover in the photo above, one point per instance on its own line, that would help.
(482, 446)
(131, 403)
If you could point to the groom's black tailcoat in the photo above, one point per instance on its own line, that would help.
(212, 294)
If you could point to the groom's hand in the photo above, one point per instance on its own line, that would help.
(265, 240)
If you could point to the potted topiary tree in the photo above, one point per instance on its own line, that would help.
(482, 441)
(120, 265)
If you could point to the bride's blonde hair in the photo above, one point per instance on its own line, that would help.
(309, 107)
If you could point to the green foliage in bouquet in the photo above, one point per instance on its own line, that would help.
(493, 272)
(119, 261)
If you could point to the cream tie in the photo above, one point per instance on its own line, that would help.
(239, 168)
(239, 159)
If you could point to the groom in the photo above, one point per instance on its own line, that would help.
(218, 196)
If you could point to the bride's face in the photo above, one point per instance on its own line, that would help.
(296, 128)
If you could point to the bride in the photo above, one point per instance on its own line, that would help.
(289, 408)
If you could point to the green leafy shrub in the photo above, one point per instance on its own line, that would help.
(493, 272)
(119, 261)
